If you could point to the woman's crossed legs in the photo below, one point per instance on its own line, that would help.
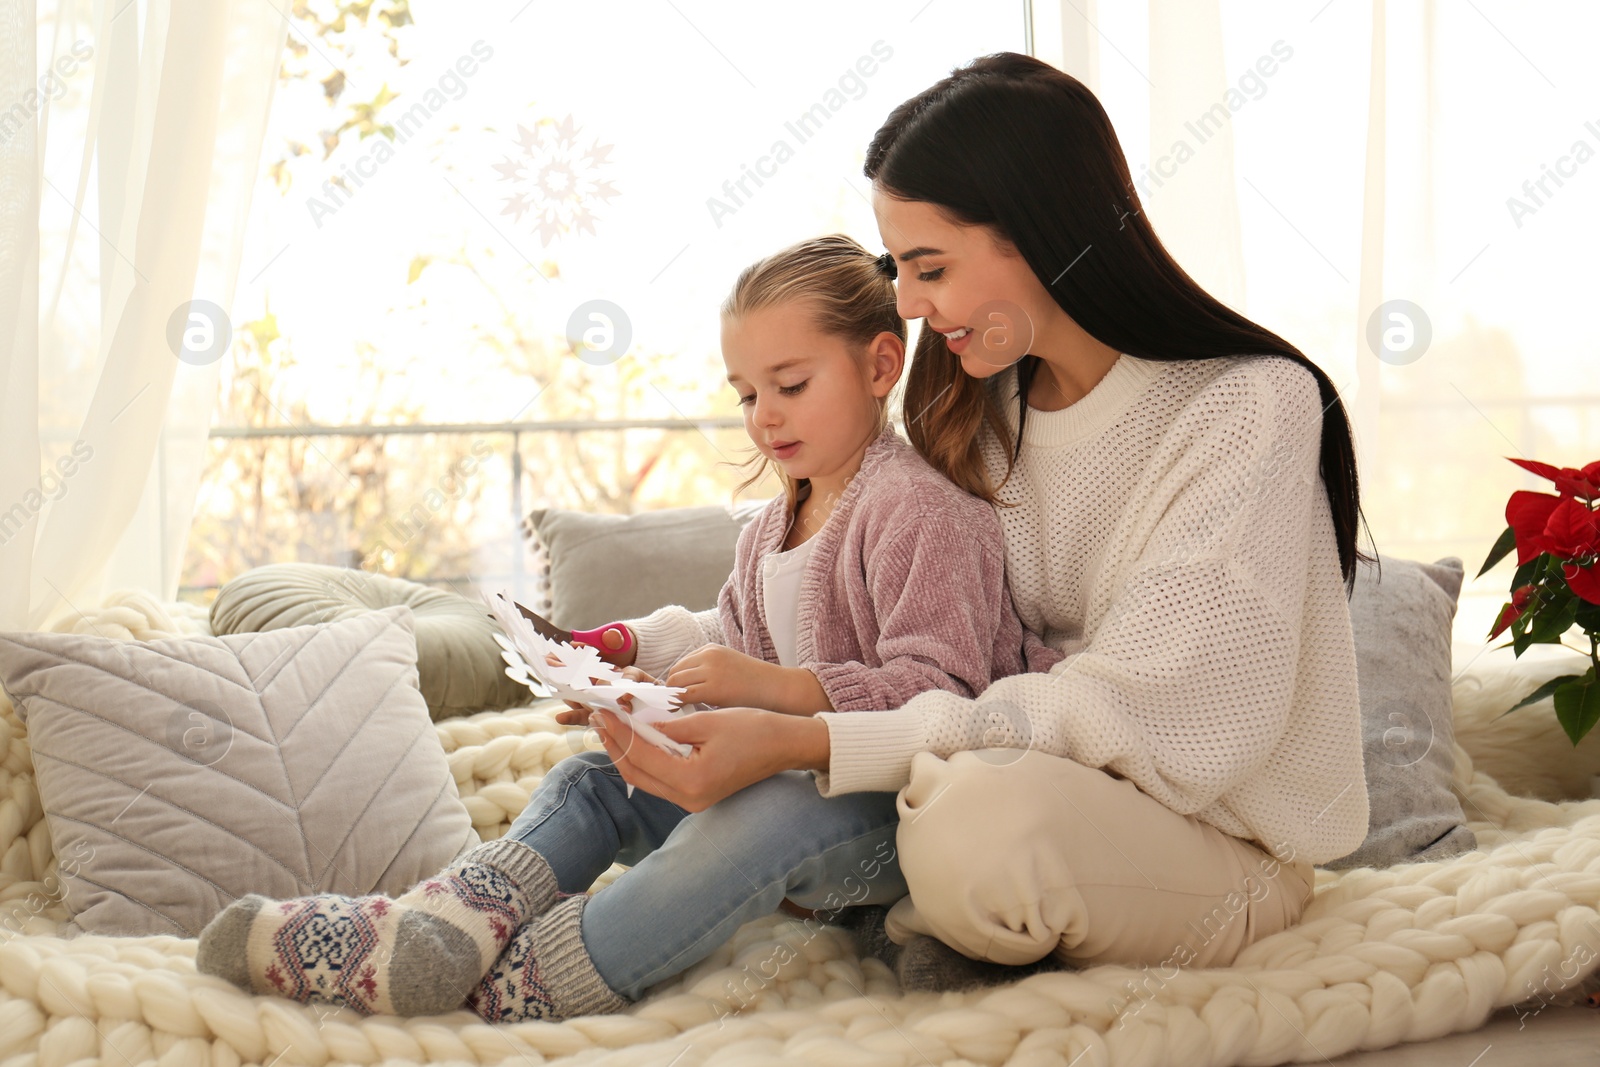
(1013, 855)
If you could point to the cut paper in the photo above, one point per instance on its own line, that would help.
(579, 674)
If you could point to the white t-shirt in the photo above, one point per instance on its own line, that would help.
(780, 586)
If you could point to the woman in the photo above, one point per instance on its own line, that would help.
(1181, 519)
(1179, 497)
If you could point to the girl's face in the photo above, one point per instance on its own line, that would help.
(967, 283)
(810, 398)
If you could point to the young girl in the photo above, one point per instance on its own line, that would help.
(873, 578)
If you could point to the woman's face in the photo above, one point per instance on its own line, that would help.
(810, 399)
(966, 282)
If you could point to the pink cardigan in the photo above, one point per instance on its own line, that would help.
(904, 591)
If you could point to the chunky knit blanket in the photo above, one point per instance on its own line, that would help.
(1381, 956)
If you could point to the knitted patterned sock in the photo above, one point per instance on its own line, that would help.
(545, 973)
(420, 954)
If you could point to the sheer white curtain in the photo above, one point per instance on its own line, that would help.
(130, 133)
(1340, 156)
(1192, 196)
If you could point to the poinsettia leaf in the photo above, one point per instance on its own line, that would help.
(1589, 616)
(1549, 578)
(1550, 624)
(1585, 582)
(1502, 548)
(1503, 621)
(1540, 693)
(1527, 513)
(1572, 530)
(1578, 706)
(1546, 619)
(1520, 643)
(1574, 484)
(1525, 572)
(1543, 470)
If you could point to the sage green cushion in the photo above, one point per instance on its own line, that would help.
(458, 662)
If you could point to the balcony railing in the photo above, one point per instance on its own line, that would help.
(517, 574)
(1522, 435)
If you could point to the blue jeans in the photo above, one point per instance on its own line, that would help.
(696, 878)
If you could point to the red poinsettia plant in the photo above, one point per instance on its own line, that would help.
(1557, 584)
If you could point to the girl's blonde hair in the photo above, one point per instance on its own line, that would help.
(849, 295)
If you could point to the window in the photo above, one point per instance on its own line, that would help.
(450, 195)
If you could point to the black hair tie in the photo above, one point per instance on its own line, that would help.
(886, 266)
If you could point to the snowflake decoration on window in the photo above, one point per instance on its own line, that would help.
(556, 179)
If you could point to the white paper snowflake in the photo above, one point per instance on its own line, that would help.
(580, 675)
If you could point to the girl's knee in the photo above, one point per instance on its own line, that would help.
(584, 766)
(785, 816)
(586, 758)
(759, 809)
(863, 871)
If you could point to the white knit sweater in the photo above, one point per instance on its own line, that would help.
(1174, 538)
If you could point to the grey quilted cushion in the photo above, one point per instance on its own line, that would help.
(178, 775)
(1402, 630)
(458, 663)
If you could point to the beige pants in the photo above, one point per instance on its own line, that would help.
(1013, 855)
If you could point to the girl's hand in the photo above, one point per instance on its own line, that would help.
(724, 677)
(732, 748)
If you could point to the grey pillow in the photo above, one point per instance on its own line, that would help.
(459, 667)
(178, 775)
(1402, 624)
(608, 567)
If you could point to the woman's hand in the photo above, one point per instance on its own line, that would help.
(579, 714)
(574, 715)
(725, 677)
(732, 748)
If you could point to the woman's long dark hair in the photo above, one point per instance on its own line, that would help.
(1010, 142)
